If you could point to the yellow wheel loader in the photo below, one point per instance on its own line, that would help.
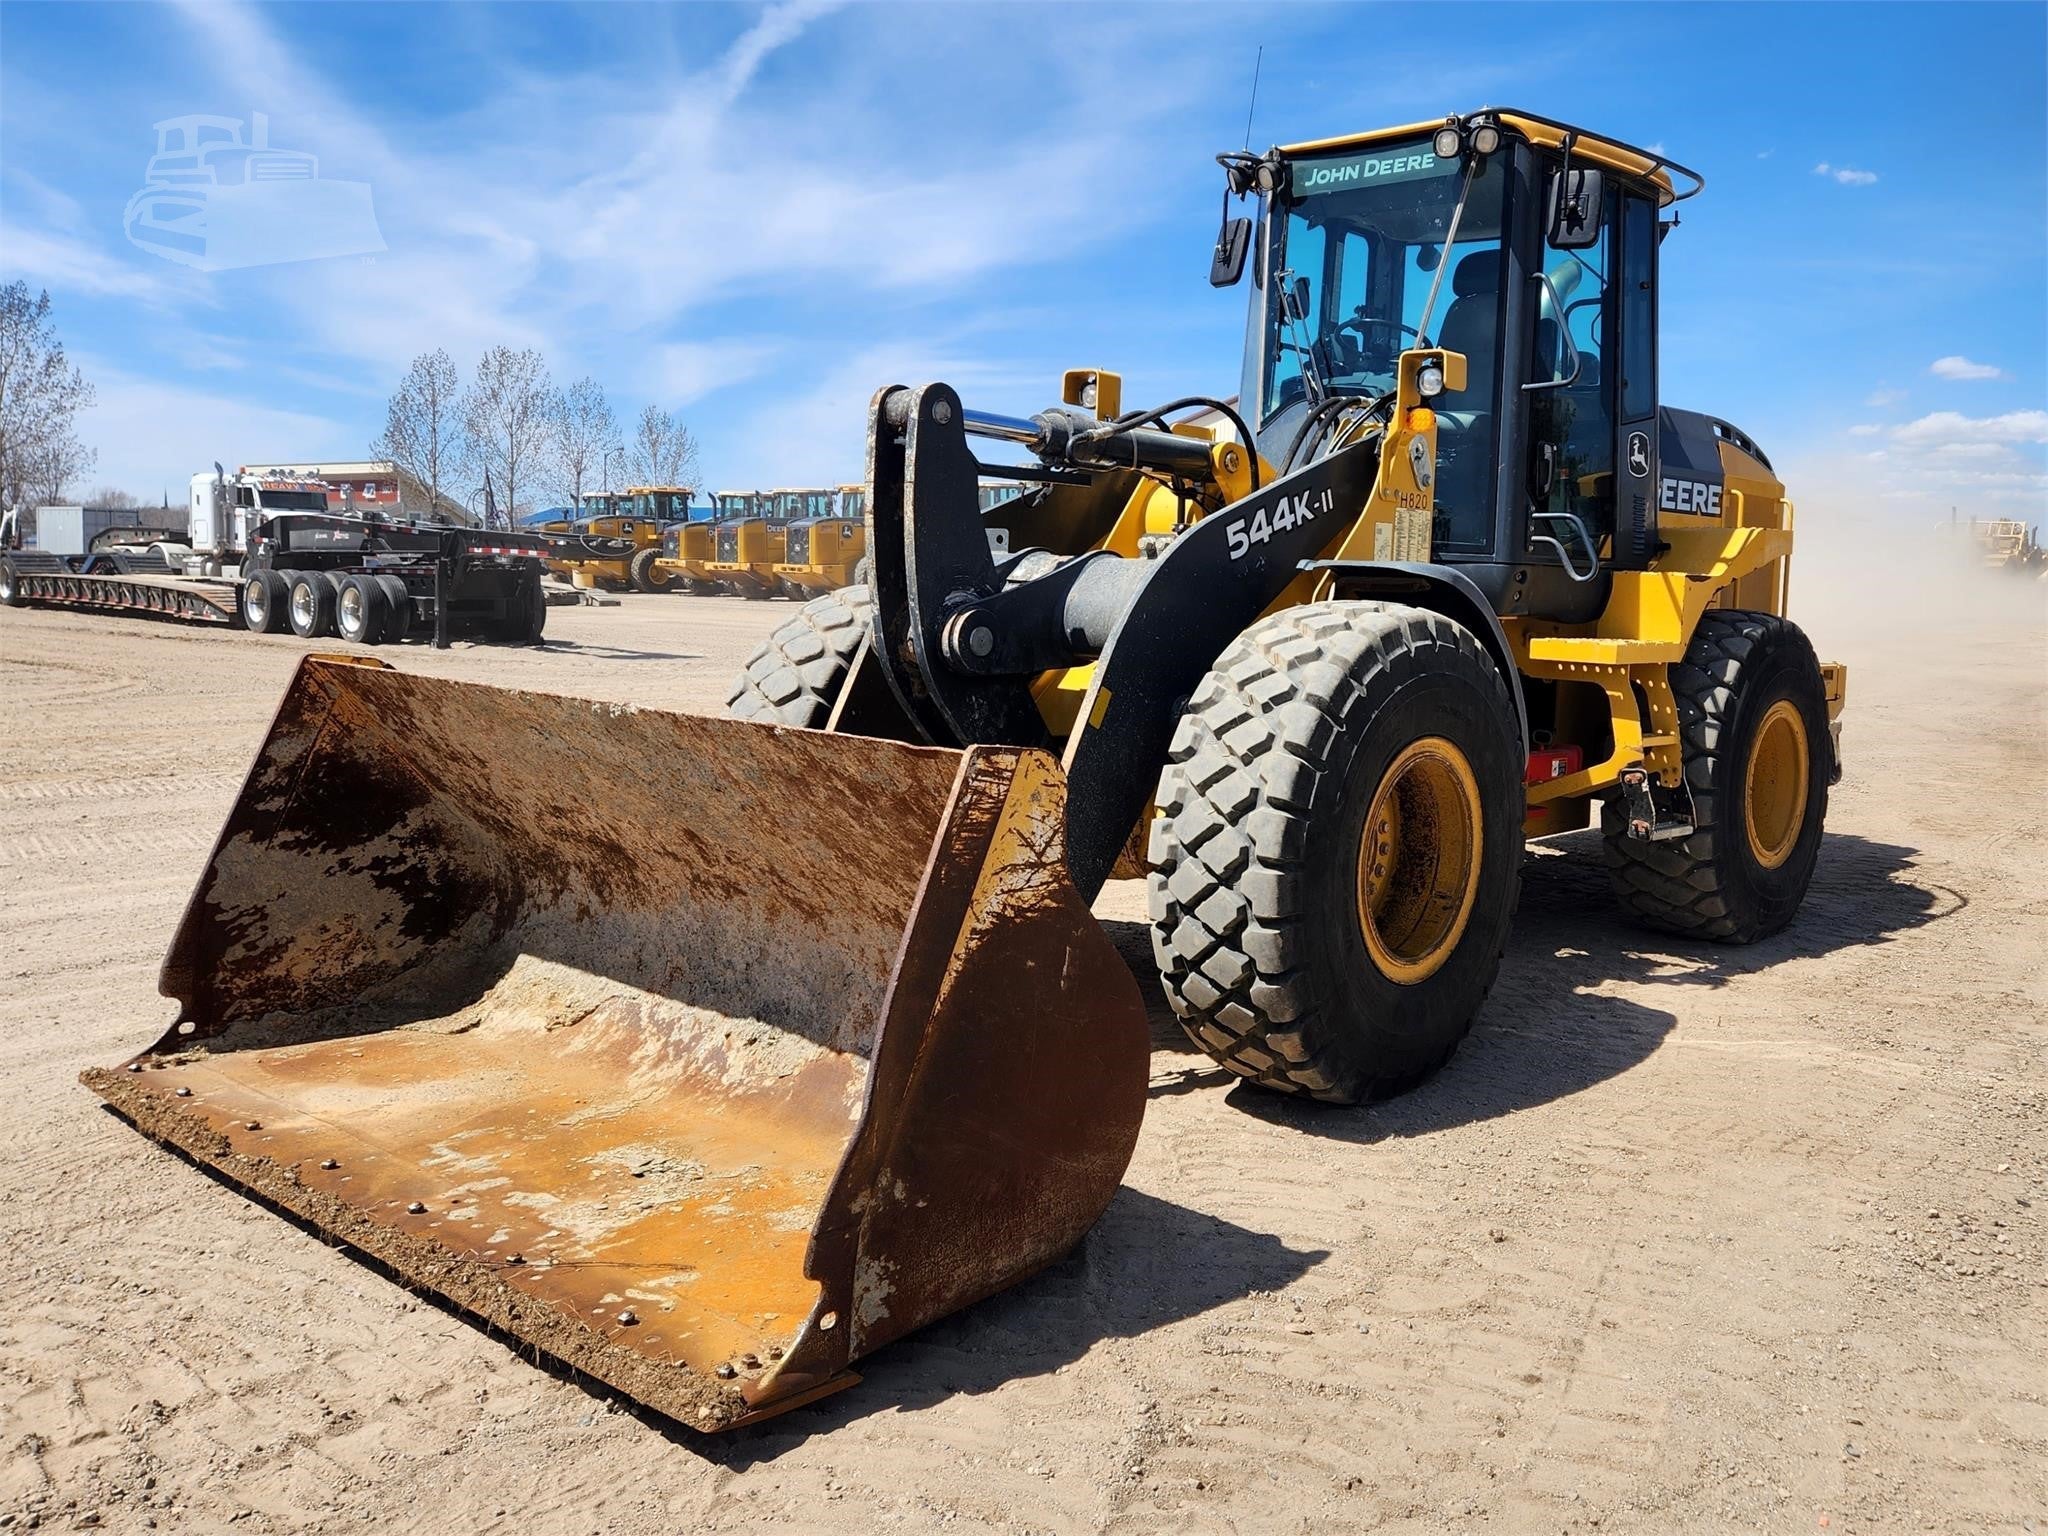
(711, 1115)
(629, 558)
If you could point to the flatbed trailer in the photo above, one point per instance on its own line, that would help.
(370, 580)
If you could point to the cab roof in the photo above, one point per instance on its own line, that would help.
(1609, 153)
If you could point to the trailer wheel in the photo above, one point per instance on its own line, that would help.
(647, 576)
(10, 586)
(536, 613)
(397, 608)
(265, 603)
(1338, 849)
(359, 610)
(311, 604)
(525, 617)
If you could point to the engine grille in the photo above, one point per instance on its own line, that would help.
(799, 544)
(729, 543)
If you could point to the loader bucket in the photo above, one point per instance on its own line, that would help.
(705, 1057)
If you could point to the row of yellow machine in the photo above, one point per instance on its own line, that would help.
(754, 544)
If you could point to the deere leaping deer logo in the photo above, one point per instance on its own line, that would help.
(1639, 454)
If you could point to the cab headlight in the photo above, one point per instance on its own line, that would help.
(1448, 142)
(1485, 139)
(1429, 380)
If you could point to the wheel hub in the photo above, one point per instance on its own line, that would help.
(1774, 784)
(1418, 860)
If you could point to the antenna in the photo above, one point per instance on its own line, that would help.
(1257, 61)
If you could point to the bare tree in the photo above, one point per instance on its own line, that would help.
(111, 498)
(41, 395)
(508, 419)
(663, 451)
(585, 436)
(423, 429)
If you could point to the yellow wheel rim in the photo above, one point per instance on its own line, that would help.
(1774, 785)
(1418, 861)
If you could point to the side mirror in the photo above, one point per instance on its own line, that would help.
(1226, 262)
(1575, 202)
(1294, 300)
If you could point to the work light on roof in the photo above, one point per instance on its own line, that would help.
(1448, 142)
(1485, 139)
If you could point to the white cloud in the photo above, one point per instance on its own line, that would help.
(149, 433)
(1945, 456)
(1846, 175)
(1963, 368)
(1865, 430)
(69, 265)
(818, 436)
(1765, 154)
(677, 373)
(1883, 396)
(1946, 427)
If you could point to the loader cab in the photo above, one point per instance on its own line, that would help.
(1546, 459)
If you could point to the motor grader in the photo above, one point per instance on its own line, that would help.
(711, 1114)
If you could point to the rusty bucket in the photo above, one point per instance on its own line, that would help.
(705, 1057)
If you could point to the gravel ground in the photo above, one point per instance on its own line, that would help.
(1683, 1239)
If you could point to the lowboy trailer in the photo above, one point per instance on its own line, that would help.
(370, 580)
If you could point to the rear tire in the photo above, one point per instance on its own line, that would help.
(525, 616)
(1338, 849)
(1753, 737)
(311, 604)
(10, 586)
(397, 608)
(795, 676)
(360, 610)
(646, 575)
(266, 603)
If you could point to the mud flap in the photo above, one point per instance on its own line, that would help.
(704, 1056)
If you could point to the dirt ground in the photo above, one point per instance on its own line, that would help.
(1684, 1238)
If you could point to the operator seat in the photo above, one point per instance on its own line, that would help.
(1465, 416)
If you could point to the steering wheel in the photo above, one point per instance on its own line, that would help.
(1375, 359)
(1360, 319)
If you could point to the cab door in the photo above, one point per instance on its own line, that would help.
(1572, 440)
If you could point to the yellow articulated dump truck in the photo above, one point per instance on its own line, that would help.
(805, 1035)
(824, 546)
(751, 549)
(689, 550)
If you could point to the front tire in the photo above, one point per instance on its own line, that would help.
(1753, 737)
(1338, 849)
(795, 676)
(646, 575)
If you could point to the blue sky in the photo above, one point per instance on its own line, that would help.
(755, 215)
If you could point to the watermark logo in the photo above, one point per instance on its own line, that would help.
(217, 196)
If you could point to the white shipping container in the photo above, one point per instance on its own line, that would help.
(61, 530)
